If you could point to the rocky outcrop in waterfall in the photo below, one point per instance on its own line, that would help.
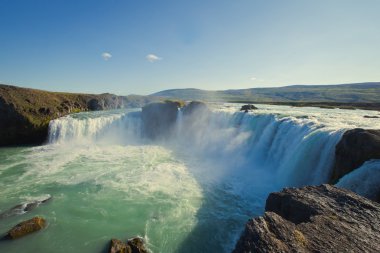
(355, 147)
(25, 113)
(314, 219)
(158, 119)
(248, 107)
(195, 107)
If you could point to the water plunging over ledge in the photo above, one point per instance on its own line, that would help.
(190, 192)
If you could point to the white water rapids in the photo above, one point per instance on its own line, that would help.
(190, 192)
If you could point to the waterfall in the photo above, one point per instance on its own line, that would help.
(364, 180)
(291, 151)
(95, 127)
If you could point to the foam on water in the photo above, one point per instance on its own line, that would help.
(192, 192)
(364, 180)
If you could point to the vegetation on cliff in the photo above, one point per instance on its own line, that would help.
(25, 113)
(345, 96)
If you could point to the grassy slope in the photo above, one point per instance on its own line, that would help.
(345, 93)
(25, 113)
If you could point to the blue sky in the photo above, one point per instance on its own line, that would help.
(143, 46)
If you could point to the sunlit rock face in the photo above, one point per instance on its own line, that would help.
(314, 219)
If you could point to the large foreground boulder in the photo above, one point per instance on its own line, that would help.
(26, 227)
(314, 219)
(356, 147)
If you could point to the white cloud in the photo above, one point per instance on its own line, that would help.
(106, 56)
(253, 78)
(153, 58)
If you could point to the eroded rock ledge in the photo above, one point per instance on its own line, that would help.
(314, 219)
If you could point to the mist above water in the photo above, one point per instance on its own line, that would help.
(190, 191)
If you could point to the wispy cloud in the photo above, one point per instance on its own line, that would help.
(106, 56)
(253, 78)
(153, 58)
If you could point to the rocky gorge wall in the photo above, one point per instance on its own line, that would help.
(26, 113)
(313, 218)
(293, 218)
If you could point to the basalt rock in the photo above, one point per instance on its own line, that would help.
(195, 107)
(158, 119)
(23, 208)
(134, 245)
(314, 219)
(248, 107)
(371, 117)
(356, 147)
(117, 246)
(26, 227)
(137, 245)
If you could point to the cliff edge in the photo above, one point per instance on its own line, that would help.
(25, 113)
(314, 219)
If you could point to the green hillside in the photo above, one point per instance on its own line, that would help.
(26, 113)
(343, 93)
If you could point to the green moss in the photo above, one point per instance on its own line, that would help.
(179, 103)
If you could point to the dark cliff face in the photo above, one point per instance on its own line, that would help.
(355, 147)
(195, 107)
(25, 113)
(158, 119)
(314, 219)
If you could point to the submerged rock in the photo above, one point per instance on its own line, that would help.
(27, 227)
(134, 245)
(23, 208)
(248, 107)
(356, 147)
(314, 219)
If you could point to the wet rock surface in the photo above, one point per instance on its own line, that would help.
(26, 227)
(248, 107)
(117, 246)
(314, 219)
(134, 245)
(158, 119)
(356, 147)
(195, 107)
(23, 208)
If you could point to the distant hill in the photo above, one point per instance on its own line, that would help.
(340, 93)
